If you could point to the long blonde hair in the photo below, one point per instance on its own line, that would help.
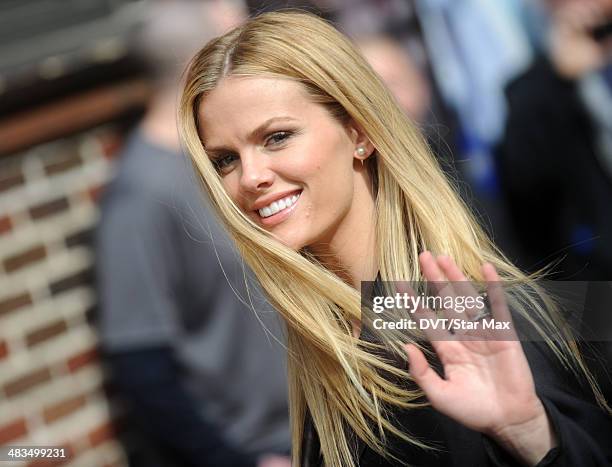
(333, 376)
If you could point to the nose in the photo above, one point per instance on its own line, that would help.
(256, 174)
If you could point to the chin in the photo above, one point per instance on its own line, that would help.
(295, 242)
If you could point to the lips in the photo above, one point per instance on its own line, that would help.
(279, 208)
(279, 205)
(266, 201)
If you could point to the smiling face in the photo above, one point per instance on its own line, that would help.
(285, 161)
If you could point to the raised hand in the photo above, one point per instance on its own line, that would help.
(487, 384)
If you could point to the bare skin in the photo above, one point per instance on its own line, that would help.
(487, 384)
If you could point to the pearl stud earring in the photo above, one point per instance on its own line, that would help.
(361, 151)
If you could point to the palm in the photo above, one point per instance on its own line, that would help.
(487, 380)
(482, 382)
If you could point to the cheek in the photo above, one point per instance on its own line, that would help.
(331, 179)
(332, 184)
(330, 159)
(231, 185)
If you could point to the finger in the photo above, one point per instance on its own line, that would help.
(450, 268)
(497, 299)
(425, 376)
(432, 326)
(436, 278)
(426, 319)
(495, 292)
(430, 268)
(460, 284)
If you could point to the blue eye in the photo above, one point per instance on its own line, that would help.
(224, 163)
(278, 137)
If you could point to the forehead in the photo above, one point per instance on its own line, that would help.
(238, 104)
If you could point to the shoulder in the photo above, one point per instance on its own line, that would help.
(539, 74)
(146, 169)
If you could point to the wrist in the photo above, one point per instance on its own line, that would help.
(529, 440)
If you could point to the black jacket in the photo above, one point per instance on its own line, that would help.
(554, 181)
(583, 430)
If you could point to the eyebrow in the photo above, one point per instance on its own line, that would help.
(256, 133)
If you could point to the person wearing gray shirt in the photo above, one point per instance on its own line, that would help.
(204, 375)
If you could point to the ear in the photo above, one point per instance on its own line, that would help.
(360, 140)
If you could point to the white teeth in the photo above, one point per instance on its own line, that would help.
(277, 206)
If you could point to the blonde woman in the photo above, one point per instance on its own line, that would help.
(323, 184)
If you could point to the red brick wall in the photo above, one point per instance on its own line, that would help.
(51, 382)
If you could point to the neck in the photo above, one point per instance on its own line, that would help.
(159, 124)
(351, 251)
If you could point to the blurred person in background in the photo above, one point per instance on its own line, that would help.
(556, 156)
(465, 50)
(414, 92)
(400, 73)
(412, 89)
(203, 382)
